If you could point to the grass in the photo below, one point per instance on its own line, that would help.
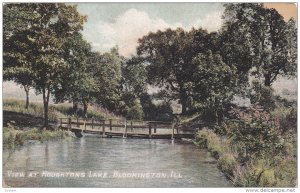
(220, 149)
(278, 171)
(56, 111)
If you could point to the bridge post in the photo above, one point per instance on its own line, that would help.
(78, 123)
(155, 126)
(69, 123)
(93, 123)
(110, 124)
(103, 127)
(149, 123)
(125, 130)
(61, 122)
(131, 126)
(173, 128)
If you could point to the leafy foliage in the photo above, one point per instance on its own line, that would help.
(261, 38)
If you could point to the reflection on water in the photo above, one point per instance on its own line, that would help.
(101, 162)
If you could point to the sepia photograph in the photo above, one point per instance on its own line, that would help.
(150, 95)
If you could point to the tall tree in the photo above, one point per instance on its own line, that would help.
(168, 56)
(264, 32)
(50, 25)
(16, 45)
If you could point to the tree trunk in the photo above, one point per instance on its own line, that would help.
(26, 88)
(46, 96)
(75, 107)
(85, 107)
(183, 100)
(267, 80)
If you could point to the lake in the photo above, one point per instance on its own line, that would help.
(92, 161)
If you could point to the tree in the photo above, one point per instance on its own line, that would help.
(107, 75)
(134, 84)
(214, 85)
(50, 25)
(16, 56)
(168, 56)
(77, 82)
(264, 32)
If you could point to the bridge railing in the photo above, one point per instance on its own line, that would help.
(120, 125)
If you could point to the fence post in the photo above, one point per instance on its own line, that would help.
(110, 124)
(131, 126)
(155, 125)
(78, 123)
(85, 124)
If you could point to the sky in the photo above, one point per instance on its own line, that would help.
(122, 24)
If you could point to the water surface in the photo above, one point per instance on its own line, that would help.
(111, 162)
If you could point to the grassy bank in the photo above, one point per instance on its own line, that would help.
(14, 136)
(258, 149)
(22, 125)
(55, 110)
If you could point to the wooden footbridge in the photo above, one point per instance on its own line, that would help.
(126, 128)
